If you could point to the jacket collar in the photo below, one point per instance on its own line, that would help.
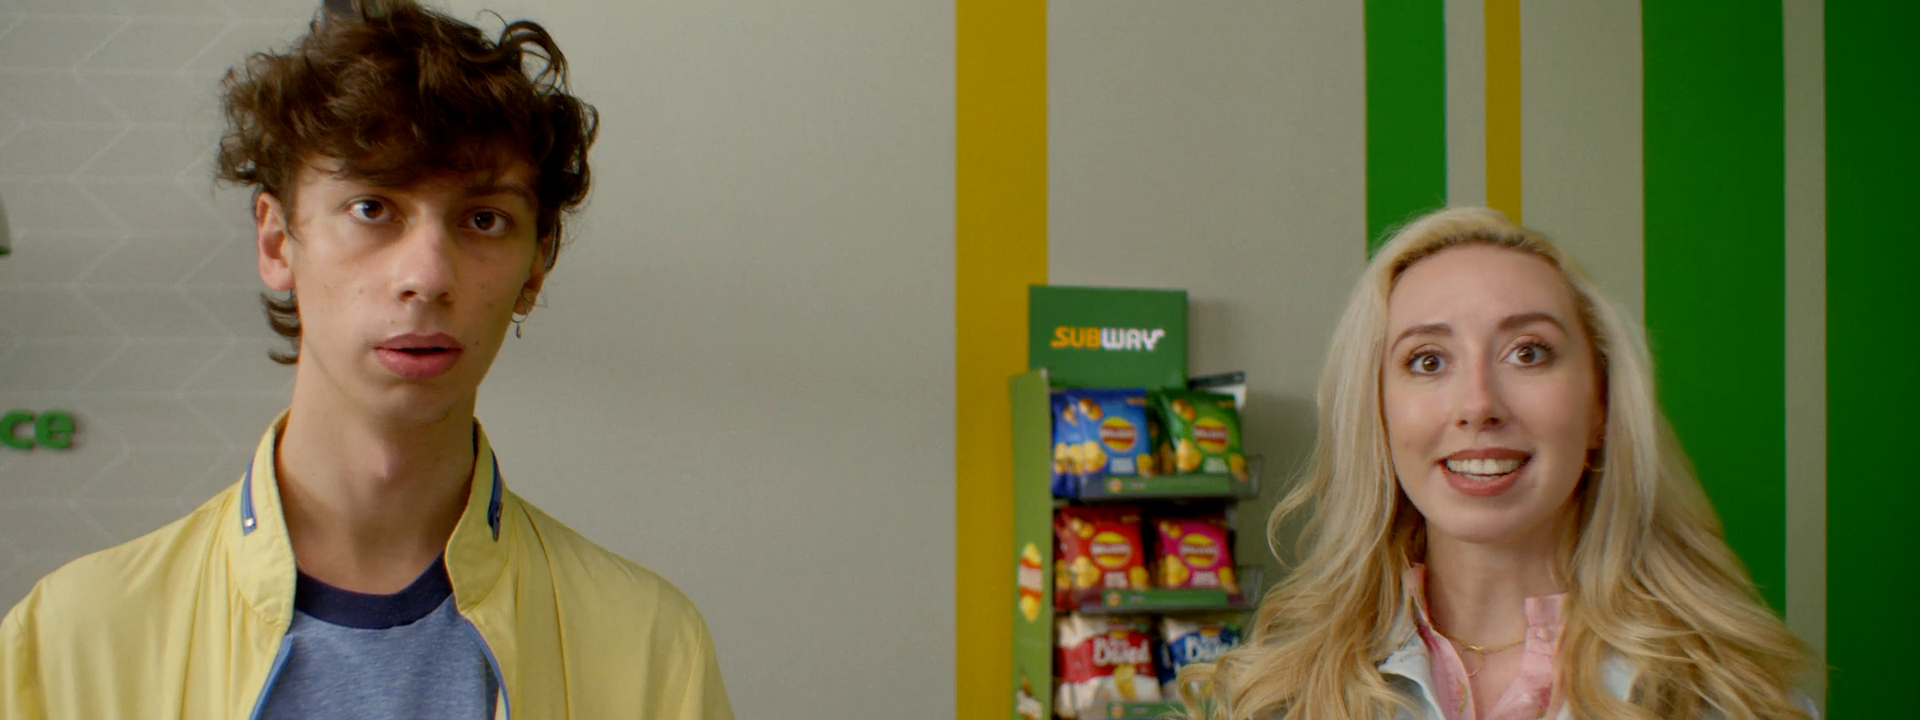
(1410, 661)
(260, 552)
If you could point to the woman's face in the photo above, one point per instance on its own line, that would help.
(1489, 394)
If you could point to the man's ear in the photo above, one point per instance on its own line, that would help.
(270, 240)
(537, 276)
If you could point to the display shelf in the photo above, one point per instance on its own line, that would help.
(1162, 601)
(1173, 487)
(1137, 711)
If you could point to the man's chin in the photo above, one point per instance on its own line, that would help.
(423, 403)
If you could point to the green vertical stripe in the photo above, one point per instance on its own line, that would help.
(1406, 113)
(1715, 258)
(1873, 396)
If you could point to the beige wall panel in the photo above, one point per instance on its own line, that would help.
(1580, 137)
(1466, 22)
(1220, 148)
(1806, 155)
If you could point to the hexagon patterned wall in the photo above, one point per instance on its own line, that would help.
(129, 295)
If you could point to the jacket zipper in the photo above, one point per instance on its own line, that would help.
(506, 708)
(279, 663)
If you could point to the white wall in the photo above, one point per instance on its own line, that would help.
(1217, 147)
(129, 298)
(742, 376)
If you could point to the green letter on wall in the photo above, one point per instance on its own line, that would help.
(9, 429)
(54, 430)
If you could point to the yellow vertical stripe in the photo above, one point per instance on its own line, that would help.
(1000, 248)
(1503, 106)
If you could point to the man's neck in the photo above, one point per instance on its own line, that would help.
(1477, 593)
(370, 505)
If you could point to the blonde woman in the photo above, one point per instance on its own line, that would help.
(1502, 526)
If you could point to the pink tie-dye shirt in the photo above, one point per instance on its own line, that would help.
(1530, 695)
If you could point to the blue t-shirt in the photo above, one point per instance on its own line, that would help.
(380, 657)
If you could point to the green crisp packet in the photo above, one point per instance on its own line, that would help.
(1203, 430)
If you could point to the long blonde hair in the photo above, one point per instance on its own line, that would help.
(1650, 578)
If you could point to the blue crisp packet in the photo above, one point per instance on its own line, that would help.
(1185, 641)
(1068, 435)
(1119, 442)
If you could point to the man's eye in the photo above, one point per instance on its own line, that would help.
(368, 209)
(489, 222)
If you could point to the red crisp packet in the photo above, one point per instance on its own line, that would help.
(1192, 552)
(1103, 659)
(1100, 548)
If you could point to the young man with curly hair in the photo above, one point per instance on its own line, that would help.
(411, 178)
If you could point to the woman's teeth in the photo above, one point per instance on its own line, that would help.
(1485, 467)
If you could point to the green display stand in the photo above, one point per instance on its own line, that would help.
(1032, 538)
(1096, 337)
(1108, 337)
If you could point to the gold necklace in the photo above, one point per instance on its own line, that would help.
(1480, 650)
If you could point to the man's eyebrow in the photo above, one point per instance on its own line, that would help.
(502, 188)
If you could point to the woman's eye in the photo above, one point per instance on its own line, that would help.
(1529, 355)
(368, 209)
(1426, 363)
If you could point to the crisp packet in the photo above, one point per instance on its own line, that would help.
(1188, 640)
(1103, 659)
(1100, 549)
(1204, 430)
(1117, 420)
(1193, 552)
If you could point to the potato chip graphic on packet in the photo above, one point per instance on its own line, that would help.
(1089, 408)
(1093, 459)
(1186, 456)
(1031, 580)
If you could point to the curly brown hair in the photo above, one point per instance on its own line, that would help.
(397, 93)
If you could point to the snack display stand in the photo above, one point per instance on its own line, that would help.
(1063, 353)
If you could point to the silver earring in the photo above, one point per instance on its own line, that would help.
(516, 325)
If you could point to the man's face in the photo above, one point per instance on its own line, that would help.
(405, 292)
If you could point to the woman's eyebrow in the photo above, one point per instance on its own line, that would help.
(1429, 329)
(1511, 322)
(1528, 318)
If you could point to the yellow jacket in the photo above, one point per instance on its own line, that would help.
(188, 621)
